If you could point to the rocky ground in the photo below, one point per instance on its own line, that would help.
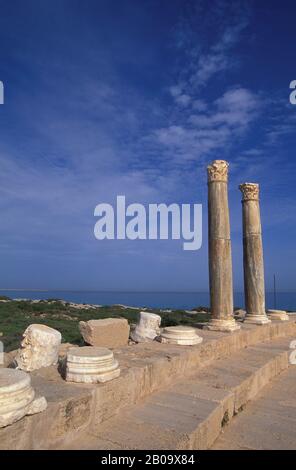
(16, 315)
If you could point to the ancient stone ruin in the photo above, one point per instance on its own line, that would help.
(17, 397)
(90, 364)
(279, 315)
(39, 348)
(142, 363)
(147, 328)
(220, 261)
(106, 333)
(253, 256)
(183, 335)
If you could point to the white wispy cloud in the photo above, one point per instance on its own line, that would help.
(199, 124)
(89, 135)
(207, 38)
(202, 132)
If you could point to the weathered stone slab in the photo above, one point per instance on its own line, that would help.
(268, 423)
(106, 333)
(39, 348)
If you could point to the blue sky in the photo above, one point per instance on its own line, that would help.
(125, 97)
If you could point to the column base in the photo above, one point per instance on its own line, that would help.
(183, 335)
(216, 324)
(280, 315)
(90, 364)
(253, 319)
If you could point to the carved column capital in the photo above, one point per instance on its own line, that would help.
(250, 191)
(218, 171)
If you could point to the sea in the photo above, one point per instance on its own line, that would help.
(163, 300)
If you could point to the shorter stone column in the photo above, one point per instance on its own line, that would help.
(147, 328)
(280, 315)
(39, 348)
(90, 364)
(183, 335)
(17, 397)
(253, 256)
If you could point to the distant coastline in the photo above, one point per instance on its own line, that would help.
(21, 289)
(174, 300)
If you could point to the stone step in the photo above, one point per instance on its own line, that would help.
(69, 410)
(273, 410)
(145, 369)
(191, 413)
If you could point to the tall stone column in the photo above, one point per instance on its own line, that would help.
(253, 256)
(220, 262)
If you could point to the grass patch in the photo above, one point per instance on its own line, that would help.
(16, 316)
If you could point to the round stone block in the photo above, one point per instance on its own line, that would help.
(227, 325)
(254, 319)
(183, 335)
(17, 397)
(90, 364)
(280, 315)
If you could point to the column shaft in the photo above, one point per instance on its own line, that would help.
(253, 256)
(220, 261)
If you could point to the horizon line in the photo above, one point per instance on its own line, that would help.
(128, 291)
